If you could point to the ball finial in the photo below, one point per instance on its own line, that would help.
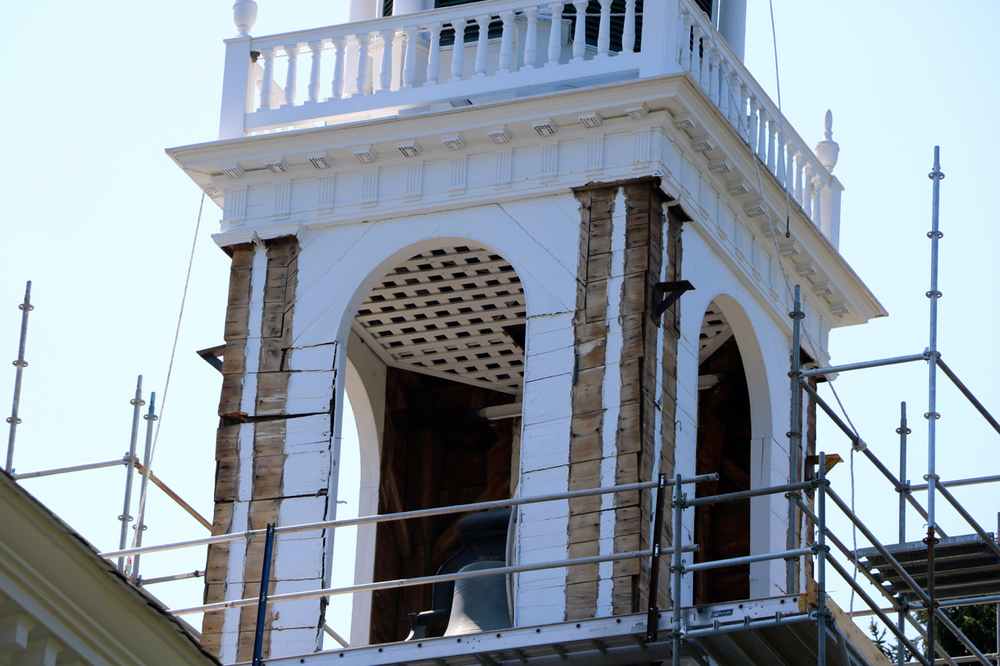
(828, 150)
(244, 15)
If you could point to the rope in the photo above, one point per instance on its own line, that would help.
(854, 528)
(170, 368)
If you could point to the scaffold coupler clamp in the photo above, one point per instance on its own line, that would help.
(859, 445)
(904, 486)
(815, 548)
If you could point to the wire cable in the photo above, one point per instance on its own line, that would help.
(170, 368)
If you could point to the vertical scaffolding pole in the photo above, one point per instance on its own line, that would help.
(932, 416)
(903, 432)
(136, 403)
(140, 524)
(20, 364)
(794, 438)
(677, 568)
(821, 554)
(265, 584)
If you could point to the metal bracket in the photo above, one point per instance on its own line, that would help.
(666, 294)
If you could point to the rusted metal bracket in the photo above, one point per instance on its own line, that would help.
(666, 294)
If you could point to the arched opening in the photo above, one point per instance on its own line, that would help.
(722, 530)
(442, 334)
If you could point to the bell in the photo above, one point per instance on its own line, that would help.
(479, 604)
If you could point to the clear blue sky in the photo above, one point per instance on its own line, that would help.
(102, 222)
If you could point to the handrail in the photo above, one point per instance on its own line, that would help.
(388, 517)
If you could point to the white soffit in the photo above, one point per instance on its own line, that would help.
(443, 313)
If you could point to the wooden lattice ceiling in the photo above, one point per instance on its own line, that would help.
(715, 330)
(445, 312)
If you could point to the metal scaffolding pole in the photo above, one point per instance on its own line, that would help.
(20, 364)
(932, 415)
(904, 489)
(794, 437)
(136, 403)
(140, 525)
(822, 548)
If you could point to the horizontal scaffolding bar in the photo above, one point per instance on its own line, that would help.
(424, 580)
(969, 519)
(166, 579)
(877, 611)
(747, 494)
(856, 440)
(65, 470)
(421, 513)
(748, 559)
(958, 482)
(968, 394)
(817, 372)
(971, 601)
(967, 659)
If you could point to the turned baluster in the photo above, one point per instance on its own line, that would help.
(506, 43)
(361, 82)
(531, 38)
(316, 48)
(385, 71)
(434, 55)
(807, 195)
(292, 51)
(555, 33)
(685, 42)
(799, 162)
(267, 89)
(337, 85)
(752, 123)
(817, 209)
(762, 136)
(410, 59)
(628, 30)
(772, 132)
(696, 52)
(604, 30)
(713, 78)
(744, 119)
(458, 50)
(789, 166)
(482, 46)
(580, 31)
(724, 102)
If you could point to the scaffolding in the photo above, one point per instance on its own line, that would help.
(800, 627)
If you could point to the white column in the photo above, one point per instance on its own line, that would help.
(733, 24)
(807, 194)
(458, 50)
(434, 55)
(555, 33)
(752, 123)
(695, 68)
(762, 135)
(772, 131)
(817, 208)
(799, 162)
(531, 38)
(400, 7)
(685, 42)
(238, 88)
(789, 166)
(713, 84)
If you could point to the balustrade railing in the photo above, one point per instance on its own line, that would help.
(770, 136)
(399, 53)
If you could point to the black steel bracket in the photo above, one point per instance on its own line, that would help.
(666, 294)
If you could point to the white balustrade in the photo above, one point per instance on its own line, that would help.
(807, 176)
(521, 48)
